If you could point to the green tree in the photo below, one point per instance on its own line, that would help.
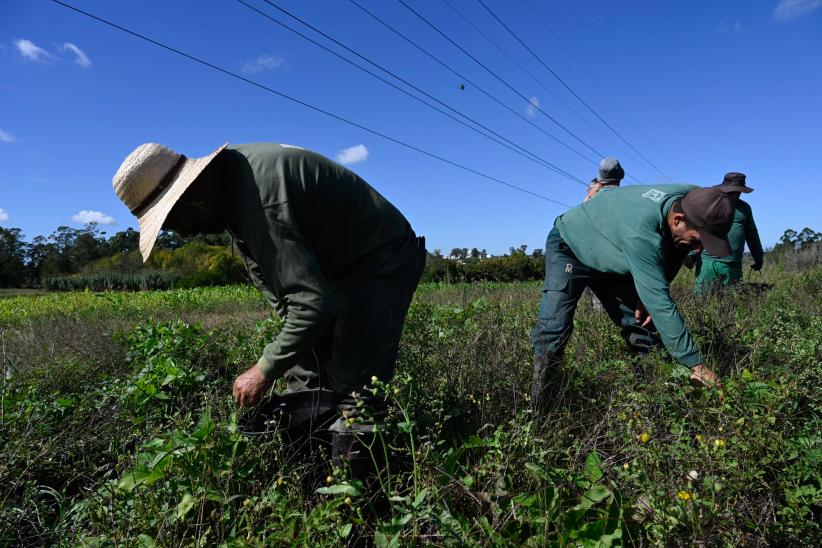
(12, 257)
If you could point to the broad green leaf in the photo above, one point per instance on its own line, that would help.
(595, 494)
(185, 505)
(593, 467)
(339, 489)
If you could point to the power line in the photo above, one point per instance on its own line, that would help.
(528, 73)
(595, 81)
(522, 151)
(307, 105)
(581, 100)
(541, 84)
(504, 82)
(464, 78)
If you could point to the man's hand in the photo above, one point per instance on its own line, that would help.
(703, 377)
(641, 315)
(250, 386)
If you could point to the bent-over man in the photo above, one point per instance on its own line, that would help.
(336, 259)
(627, 245)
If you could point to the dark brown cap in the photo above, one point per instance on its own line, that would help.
(734, 182)
(711, 212)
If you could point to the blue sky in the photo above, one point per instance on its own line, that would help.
(708, 87)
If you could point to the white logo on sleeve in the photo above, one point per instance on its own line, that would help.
(655, 195)
(569, 267)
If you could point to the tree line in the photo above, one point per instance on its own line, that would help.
(72, 258)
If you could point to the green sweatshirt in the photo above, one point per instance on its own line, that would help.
(305, 227)
(624, 231)
(743, 230)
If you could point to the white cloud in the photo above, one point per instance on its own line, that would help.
(533, 105)
(7, 137)
(352, 155)
(265, 61)
(81, 57)
(3, 215)
(31, 51)
(791, 9)
(729, 27)
(87, 216)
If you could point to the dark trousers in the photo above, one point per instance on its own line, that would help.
(565, 280)
(363, 340)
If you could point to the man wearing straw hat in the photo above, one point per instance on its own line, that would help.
(338, 262)
(712, 271)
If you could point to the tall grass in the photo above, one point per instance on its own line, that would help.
(119, 431)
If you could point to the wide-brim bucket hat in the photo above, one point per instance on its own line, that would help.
(151, 180)
(734, 182)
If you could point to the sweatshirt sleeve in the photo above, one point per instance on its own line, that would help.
(648, 270)
(305, 302)
(752, 238)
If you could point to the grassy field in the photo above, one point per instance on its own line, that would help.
(117, 427)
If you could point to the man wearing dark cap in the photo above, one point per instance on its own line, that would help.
(715, 271)
(610, 175)
(627, 245)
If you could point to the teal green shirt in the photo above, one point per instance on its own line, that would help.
(305, 227)
(742, 230)
(624, 230)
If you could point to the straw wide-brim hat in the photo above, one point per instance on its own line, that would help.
(150, 181)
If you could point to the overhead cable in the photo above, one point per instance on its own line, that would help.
(500, 79)
(596, 82)
(307, 105)
(532, 76)
(509, 144)
(574, 93)
(470, 82)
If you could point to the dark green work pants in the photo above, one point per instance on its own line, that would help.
(364, 338)
(712, 274)
(565, 280)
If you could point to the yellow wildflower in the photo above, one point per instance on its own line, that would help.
(644, 437)
(622, 417)
(348, 501)
(699, 438)
(684, 495)
(374, 379)
(626, 466)
(719, 442)
(329, 479)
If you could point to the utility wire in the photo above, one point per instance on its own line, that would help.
(501, 80)
(511, 144)
(307, 105)
(596, 82)
(530, 74)
(464, 78)
(581, 100)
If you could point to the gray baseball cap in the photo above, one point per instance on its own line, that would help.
(610, 171)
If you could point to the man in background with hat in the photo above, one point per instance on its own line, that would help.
(338, 262)
(610, 175)
(713, 271)
(627, 245)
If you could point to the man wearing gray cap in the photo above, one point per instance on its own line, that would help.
(610, 175)
(627, 245)
(712, 271)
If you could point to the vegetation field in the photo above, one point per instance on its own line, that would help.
(117, 427)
